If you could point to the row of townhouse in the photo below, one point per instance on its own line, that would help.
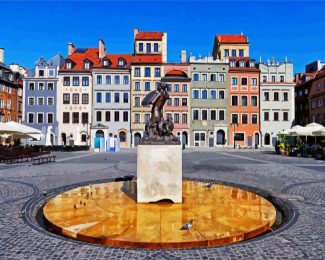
(222, 99)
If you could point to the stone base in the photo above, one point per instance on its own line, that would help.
(159, 173)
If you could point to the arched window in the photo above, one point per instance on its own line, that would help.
(122, 136)
(267, 139)
(117, 79)
(83, 138)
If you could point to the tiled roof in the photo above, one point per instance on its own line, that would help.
(147, 59)
(232, 38)
(149, 36)
(175, 73)
(78, 59)
(114, 58)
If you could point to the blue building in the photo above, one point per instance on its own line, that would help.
(40, 99)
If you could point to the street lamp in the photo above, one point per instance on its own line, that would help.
(234, 124)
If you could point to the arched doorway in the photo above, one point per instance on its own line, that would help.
(64, 139)
(220, 137)
(257, 139)
(185, 138)
(100, 133)
(267, 139)
(122, 136)
(137, 138)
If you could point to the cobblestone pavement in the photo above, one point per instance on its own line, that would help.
(300, 179)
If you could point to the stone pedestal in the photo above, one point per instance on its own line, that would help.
(159, 173)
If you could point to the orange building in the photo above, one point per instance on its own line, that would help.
(244, 130)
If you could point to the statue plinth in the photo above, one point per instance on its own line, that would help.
(159, 173)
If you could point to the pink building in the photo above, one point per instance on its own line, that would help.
(176, 75)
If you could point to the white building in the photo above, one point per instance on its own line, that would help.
(277, 100)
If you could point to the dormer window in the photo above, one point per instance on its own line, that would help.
(105, 63)
(11, 77)
(242, 64)
(232, 64)
(121, 62)
(41, 73)
(69, 65)
(87, 65)
(252, 64)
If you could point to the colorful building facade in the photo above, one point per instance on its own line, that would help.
(317, 98)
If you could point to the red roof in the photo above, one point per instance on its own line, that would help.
(149, 36)
(147, 59)
(78, 59)
(175, 72)
(114, 58)
(232, 38)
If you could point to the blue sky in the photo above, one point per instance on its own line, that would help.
(30, 30)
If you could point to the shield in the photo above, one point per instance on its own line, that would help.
(149, 98)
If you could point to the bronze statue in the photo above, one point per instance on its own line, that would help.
(158, 130)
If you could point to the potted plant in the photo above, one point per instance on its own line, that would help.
(299, 146)
(286, 145)
(277, 147)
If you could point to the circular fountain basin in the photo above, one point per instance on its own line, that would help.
(108, 214)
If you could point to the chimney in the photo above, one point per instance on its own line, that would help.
(2, 55)
(135, 31)
(101, 49)
(71, 48)
(183, 56)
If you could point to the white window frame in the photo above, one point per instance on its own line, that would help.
(29, 99)
(231, 117)
(224, 114)
(202, 114)
(258, 121)
(47, 118)
(28, 117)
(216, 110)
(38, 86)
(198, 110)
(38, 98)
(48, 101)
(193, 93)
(200, 141)
(37, 117)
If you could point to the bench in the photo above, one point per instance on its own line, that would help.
(43, 159)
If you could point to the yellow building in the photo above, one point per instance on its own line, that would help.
(150, 52)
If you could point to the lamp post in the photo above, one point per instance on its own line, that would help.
(234, 124)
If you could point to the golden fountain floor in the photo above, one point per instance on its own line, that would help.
(108, 214)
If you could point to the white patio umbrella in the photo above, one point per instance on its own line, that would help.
(294, 130)
(319, 132)
(19, 130)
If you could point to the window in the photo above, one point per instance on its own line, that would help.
(155, 47)
(221, 77)
(98, 116)
(176, 102)
(242, 64)
(234, 118)
(204, 77)
(264, 78)
(244, 81)
(99, 97)
(30, 118)
(176, 87)
(116, 116)
(75, 81)
(226, 53)
(117, 80)
(147, 86)
(176, 118)
(213, 77)
(69, 65)
(285, 116)
(108, 116)
(66, 81)
(50, 118)
(157, 72)
(241, 53)
(51, 73)
(41, 73)
(276, 96)
(195, 77)
(266, 96)
(254, 101)
(184, 88)
(125, 80)
(169, 86)
(285, 96)
(281, 78)
(108, 79)
(85, 81)
(75, 117)
(125, 116)
(233, 53)
(213, 114)
(254, 81)
(31, 101)
(9, 103)
(31, 86)
(147, 117)
(137, 72)
(50, 86)
(87, 65)
(184, 118)
(147, 72)
(140, 47)
(240, 137)
(221, 115)
(84, 118)
(148, 47)
(105, 63)
(83, 138)
(121, 62)
(195, 94)
(99, 79)
(244, 119)
(66, 117)
(204, 94)
(137, 86)
(66, 98)
(276, 116)
(234, 100)
(116, 97)
(40, 86)
(195, 114)
(254, 119)
(204, 114)
(125, 97)
(273, 78)
(50, 101)
(40, 118)
(232, 63)
(137, 118)
(137, 101)
(234, 81)
(221, 94)
(75, 98)
(266, 116)
(1, 105)
(85, 98)
(213, 94)
(169, 102)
